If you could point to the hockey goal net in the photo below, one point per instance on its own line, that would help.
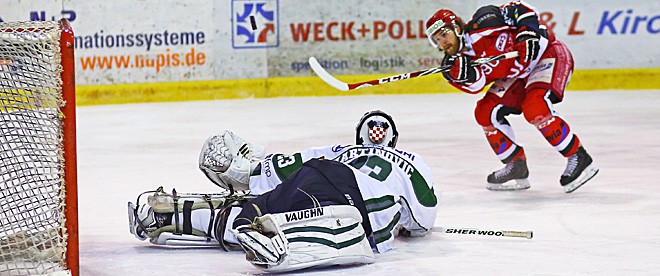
(38, 217)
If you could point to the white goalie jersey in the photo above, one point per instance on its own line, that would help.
(397, 186)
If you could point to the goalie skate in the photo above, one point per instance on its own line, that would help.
(510, 178)
(134, 226)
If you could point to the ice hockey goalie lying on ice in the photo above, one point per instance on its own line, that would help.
(323, 206)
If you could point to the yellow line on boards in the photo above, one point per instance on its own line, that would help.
(601, 79)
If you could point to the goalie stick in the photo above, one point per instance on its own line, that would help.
(334, 82)
(482, 232)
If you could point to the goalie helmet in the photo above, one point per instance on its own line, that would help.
(376, 128)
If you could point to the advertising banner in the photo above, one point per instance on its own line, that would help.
(155, 41)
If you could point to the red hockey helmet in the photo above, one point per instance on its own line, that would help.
(441, 19)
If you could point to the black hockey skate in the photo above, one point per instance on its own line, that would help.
(512, 177)
(579, 170)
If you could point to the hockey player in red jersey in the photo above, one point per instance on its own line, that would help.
(529, 84)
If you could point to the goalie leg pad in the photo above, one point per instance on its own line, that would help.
(144, 224)
(317, 237)
(192, 226)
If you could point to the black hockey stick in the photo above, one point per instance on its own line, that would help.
(334, 82)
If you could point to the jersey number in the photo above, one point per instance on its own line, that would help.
(380, 168)
(285, 165)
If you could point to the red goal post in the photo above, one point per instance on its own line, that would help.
(38, 179)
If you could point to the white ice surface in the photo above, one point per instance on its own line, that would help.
(610, 226)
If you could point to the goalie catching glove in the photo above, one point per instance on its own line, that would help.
(321, 236)
(228, 160)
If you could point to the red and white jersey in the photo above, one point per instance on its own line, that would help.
(492, 31)
(396, 186)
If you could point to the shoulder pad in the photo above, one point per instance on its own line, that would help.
(485, 17)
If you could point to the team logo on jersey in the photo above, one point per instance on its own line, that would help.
(338, 148)
(255, 23)
(377, 131)
(500, 44)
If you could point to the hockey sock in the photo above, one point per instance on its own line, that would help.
(557, 132)
(504, 147)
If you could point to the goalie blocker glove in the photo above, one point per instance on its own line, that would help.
(317, 237)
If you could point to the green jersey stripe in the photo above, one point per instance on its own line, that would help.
(386, 233)
(379, 204)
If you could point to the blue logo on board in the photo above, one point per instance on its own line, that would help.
(255, 23)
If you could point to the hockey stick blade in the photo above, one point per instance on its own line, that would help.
(325, 76)
(340, 85)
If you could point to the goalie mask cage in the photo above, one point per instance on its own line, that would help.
(38, 220)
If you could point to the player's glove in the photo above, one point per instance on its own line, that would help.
(527, 45)
(461, 70)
